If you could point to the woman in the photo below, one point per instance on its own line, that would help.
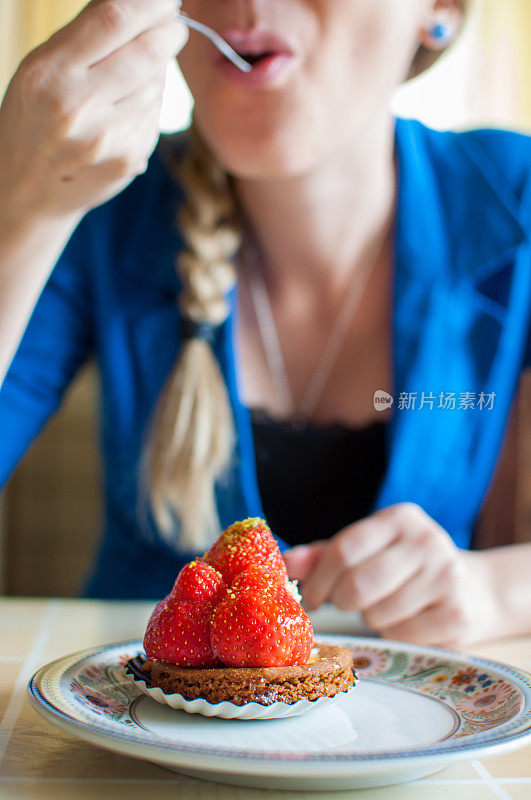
(374, 259)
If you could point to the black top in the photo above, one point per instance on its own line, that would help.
(315, 480)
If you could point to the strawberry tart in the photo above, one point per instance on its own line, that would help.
(233, 629)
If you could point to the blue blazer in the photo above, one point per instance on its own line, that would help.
(462, 303)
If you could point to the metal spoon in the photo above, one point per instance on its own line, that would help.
(217, 40)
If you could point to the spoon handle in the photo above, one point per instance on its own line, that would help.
(217, 40)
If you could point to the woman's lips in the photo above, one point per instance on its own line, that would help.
(270, 55)
(264, 72)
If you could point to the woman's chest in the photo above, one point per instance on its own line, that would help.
(341, 381)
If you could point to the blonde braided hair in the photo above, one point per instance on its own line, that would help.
(192, 437)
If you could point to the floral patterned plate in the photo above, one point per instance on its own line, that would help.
(414, 710)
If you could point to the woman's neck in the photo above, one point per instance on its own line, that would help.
(314, 228)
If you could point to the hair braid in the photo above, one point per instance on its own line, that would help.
(193, 432)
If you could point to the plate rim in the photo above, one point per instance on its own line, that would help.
(168, 751)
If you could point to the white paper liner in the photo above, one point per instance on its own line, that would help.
(227, 710)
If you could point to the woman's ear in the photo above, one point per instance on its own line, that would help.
(443, 22)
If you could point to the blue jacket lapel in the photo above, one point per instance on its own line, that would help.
(462, 302)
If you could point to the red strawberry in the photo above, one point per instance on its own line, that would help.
(179, 634)
(179, 628)
(243, 544)
(259, 624)
(198, 582)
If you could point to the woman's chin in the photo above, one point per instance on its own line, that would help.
(255, 143)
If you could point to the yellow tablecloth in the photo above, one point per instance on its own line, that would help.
(37, 761)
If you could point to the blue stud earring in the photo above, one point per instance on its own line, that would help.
(441, 34)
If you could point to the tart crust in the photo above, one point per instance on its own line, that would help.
(328, 672)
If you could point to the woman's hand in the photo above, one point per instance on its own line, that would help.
(404, 573)
(80, 117)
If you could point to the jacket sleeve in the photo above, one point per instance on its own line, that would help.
(57, 341)
(527, 358)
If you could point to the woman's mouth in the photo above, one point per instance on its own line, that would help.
(270, 56)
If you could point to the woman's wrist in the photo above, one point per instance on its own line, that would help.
(31, 241)
(504, 574)
(30, 245)
(22, 221)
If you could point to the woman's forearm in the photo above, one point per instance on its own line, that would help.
(509, 574)
(29, 249)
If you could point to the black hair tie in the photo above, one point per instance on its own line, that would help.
(191, 329)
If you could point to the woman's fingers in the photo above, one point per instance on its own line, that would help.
(301, 560)
(414, 595)
(421, 546)
(373, 557)
(110, 130)
(438, 624)
(464, 607)
(102, 166)
(347, 549)
(147, 97)
(368, 583)
(105, 26)
(137, 63)
(402, 570)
